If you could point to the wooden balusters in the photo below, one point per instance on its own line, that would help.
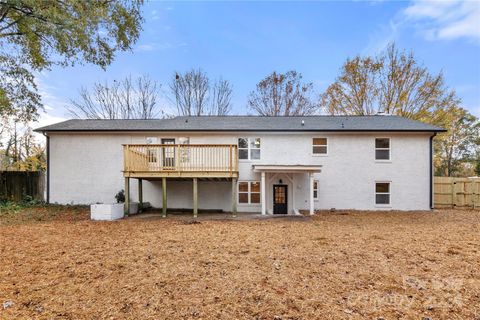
(180, 158)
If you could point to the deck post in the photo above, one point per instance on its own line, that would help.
(263, 194)
(311, 193)
(195, 197)
(234, 197)
(140, 195)
(127, 196)
(164, 197)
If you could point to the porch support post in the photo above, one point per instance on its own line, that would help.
(195, 197)
(234, 197)
(164, 197)
(311, 194)
(127, 196)
(263, 194)
(140, 195)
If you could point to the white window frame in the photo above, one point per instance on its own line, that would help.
(249, 193)
(320, 145)
(379, 149)
(152, 154)
(317, 189)
(389, 204)
(249, 148)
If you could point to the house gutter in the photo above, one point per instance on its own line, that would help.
(240, 130)
(431, 169)
(47, 198)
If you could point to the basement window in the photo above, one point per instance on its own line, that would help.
(319, 146)
(249, 192)
(382, 149)
(382, 193)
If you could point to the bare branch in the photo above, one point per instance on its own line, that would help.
(283, 94)
(125, 99)
(194, 96)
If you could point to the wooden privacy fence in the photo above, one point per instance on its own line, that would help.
(16, 185)
(450, 192)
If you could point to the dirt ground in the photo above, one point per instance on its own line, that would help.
(343, 265)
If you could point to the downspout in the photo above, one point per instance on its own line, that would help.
(431, 169)
(47, 200)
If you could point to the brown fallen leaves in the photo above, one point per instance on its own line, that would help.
(356, 265)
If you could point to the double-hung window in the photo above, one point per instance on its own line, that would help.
(319, 146)
(382, 149)
(382, 193)
(249, 148)
(249, 192)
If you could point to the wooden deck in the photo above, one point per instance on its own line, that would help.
(180, 161)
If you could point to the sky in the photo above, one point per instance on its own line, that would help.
(243, 42)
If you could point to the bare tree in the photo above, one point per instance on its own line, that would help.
(125, 99)
(283, 94)
(221, 97)
(194, 95)
(392, 82)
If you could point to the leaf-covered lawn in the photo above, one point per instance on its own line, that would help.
(352, 265)
(14, 214)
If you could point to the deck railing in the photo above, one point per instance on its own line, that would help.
(180, 158)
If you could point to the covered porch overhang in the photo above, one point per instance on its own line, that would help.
(276, 168)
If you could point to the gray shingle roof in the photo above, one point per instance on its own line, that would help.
(249, 123)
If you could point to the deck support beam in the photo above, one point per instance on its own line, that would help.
(234, 197)
(312, 211)
(195, 197)
(140, 195)
(127, 196)
(263, 194)
(164, 197)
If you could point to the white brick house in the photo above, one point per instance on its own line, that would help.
(272, 165)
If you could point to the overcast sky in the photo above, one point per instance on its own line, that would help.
(245, 41)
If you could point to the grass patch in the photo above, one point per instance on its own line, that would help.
(12, 213)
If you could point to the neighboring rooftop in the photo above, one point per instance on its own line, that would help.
(249, 123)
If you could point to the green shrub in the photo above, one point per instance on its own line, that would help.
(120, 196)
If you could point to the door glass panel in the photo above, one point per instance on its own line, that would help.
(279, 195)
(168, 153)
